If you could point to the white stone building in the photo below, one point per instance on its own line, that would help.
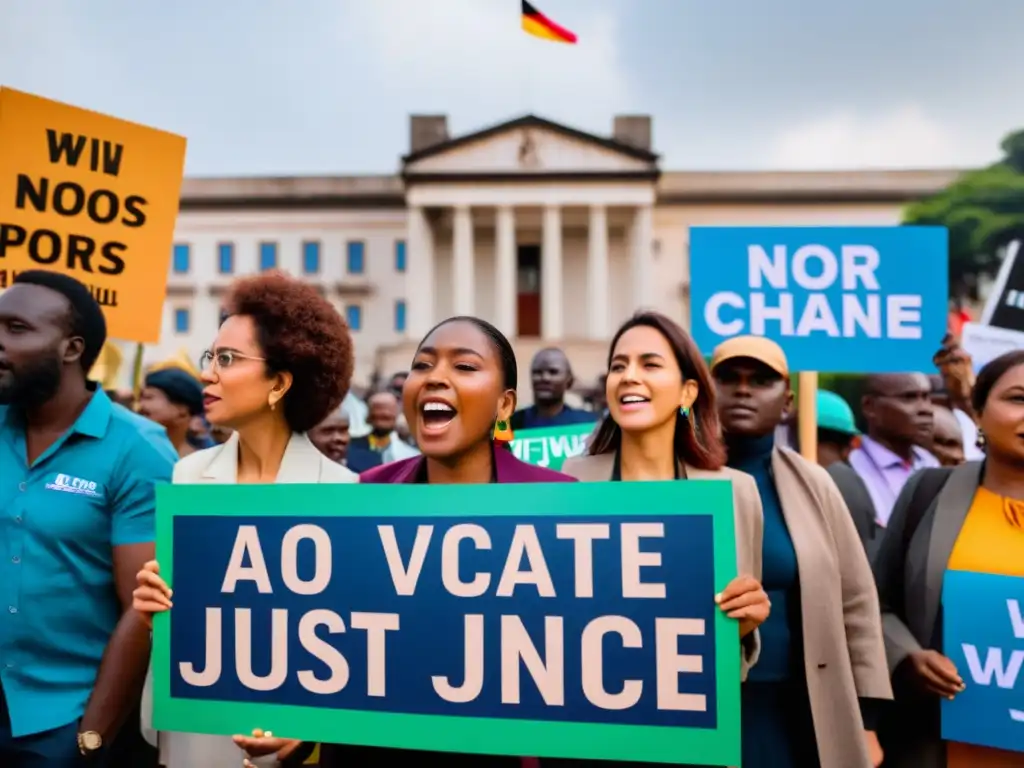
(553, 234)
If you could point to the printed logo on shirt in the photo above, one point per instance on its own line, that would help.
(72, 484)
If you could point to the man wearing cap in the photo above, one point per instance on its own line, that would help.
(77, 499)
(814, 697)
(171, 398)
(837, 437)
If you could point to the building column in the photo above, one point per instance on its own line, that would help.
(505, 276)
(551, 275)
(597, 274)
(642, 253)
(419, 275)
(463, 282)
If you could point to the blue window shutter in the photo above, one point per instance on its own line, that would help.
(356, 262)
(400, 256)
(181, 320)
(311, 257)
(181, 254)
(268, 256)
(226, 258)
(400, 316)
(354, 316)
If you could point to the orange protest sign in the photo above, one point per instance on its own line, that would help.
(94, 197)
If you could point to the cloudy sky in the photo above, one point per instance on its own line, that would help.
(326, 86)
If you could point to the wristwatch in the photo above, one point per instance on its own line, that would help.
(89, 743)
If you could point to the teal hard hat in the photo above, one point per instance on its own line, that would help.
(835, 413)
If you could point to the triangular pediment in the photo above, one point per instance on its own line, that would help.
(529, 146)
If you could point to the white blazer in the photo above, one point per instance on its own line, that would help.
(302, 463)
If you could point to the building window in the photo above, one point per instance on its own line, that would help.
(181, 254)
(356, 263)
(311, 257)
(354, 316)
(268, 256)
(181, 320)
(400, 316)
(399, 255)
(226, 258)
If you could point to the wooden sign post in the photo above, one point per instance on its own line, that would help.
(807, 414)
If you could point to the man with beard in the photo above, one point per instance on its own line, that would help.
(77, 497)
(551, 377)
(898, 410)
(383, 438)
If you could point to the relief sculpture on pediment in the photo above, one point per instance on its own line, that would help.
(528, 157)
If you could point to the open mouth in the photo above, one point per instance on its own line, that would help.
(436, 415)
(630, 402)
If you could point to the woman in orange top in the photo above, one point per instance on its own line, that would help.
(968, 518)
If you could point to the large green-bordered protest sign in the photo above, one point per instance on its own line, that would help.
(551, 446)
(553, 620)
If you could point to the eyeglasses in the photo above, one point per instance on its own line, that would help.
(224, 358)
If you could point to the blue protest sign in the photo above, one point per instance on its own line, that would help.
(561, 620)
(838, 299)
(983, 634)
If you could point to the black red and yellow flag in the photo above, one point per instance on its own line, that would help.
(539, 25)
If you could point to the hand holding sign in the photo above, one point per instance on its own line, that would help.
(746, 600)
(152, 595)
(935, 673)
(263, 743)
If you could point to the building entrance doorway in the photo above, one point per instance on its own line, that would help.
(528, 290)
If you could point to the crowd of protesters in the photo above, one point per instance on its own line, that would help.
(840, 560)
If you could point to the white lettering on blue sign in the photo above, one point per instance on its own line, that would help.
(993, 668)
(855, 314)
(525, 566)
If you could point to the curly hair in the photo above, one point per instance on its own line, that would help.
(299, 332)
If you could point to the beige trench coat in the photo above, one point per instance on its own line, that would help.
(844, 653)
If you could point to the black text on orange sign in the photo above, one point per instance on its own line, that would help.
(70, 199)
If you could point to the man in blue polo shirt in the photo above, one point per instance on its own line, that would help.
(77, 477)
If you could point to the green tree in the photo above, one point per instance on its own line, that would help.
(983, 210)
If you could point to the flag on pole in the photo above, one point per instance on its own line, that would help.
(539, 25)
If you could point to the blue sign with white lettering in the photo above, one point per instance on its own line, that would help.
(559, 620)
(838, 299)
(983, 635)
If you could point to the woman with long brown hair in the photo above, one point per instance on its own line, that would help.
(662, 425)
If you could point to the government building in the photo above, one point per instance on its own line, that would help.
(552, 234)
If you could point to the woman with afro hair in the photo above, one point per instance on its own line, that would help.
(281, 363)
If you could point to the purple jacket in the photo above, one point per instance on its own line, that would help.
(509, 469)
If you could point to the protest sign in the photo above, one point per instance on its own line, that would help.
(1005, 305)
(838, 299)
(93, 197)
(984, 343)
(554, 620)
(551, 446)
(983, 635)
